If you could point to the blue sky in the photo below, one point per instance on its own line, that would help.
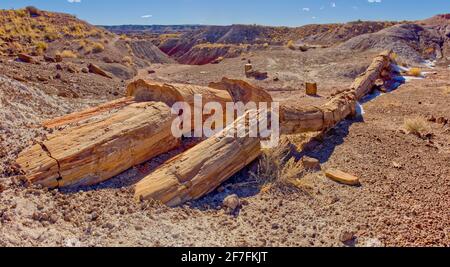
(225, 12)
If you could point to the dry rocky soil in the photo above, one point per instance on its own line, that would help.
(403, 200)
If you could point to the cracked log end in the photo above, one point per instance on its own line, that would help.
(101, 149)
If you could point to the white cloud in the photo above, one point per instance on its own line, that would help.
(306, 9)
(146, 16)
(333, 4)
(74, 1)
(374, 1)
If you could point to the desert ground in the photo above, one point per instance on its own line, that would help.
(403, 199)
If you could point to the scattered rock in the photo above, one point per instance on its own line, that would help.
(72, 69)
(311, 164)
(97, 70)
(58, 76)
(49, 59)
(441, 120)
(348, 238)
(25, 58)
(232, 202)
(59, 67)
(396, 165)
(151, 71)
(41, 79)
(84, 70)
(58, 58)
(217, 60)
(276, 79)
(342, 177)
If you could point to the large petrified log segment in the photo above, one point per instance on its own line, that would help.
(242, 91)
(89, 113)
(98, 150)
(144, 90)
(364, 83)
(201, 169)
(295, 119)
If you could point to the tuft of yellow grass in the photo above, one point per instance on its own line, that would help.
(417, 72)
(67, 54)
(415, 125)
(41, 47)
(277, 168)
(290, 44)
(127, 60)
(98, 48)
(447, 90)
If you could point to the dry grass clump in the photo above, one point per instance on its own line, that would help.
(416, 72)
(447, 90)
(290, 44)
(127, 60)
(416, 125)
(277, 168)
(41, 47)
(98, 47)
(67, 54)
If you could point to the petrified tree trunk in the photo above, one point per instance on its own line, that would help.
(296, 119)
(242, 91)
(144, 90)
(201, 169)
(364, 83)
(96, 151)
(89, 113)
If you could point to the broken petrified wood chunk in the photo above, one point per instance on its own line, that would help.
(97, 70)
(311, 89)
(98, 150)
(342, 177)
(201, 169)
(242, 91)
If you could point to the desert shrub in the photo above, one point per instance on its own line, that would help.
(127, 60)
(447, 90)
(98, 48)
(417, 72)
(416, 125)
(266, 45)
(276, 167)
(67, 54)
(291, 45)
(41, 47)
(51, 36)
(394, 56)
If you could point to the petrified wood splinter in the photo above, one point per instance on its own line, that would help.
(201, 169)
(98, 150)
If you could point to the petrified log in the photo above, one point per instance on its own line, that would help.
(145, 90)
(296, 119)
(96, 151)
(364, 83)
(242, 91)
(89, 113)
(201, 169)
